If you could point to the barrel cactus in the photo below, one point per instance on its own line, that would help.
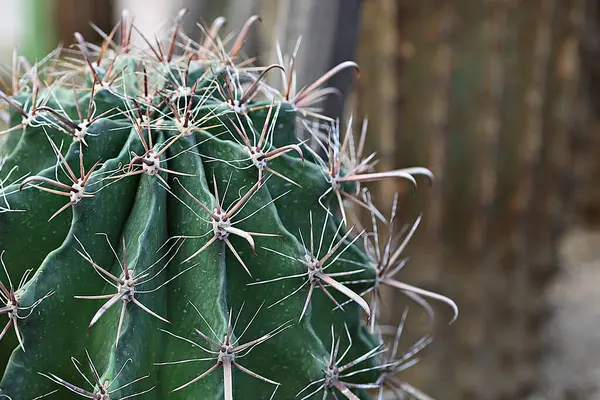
(165, 234)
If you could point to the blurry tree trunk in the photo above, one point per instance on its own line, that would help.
(75, 16)
(479, 95)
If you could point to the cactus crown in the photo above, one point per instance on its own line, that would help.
(170, 229)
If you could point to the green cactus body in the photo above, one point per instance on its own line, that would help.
(174, 229)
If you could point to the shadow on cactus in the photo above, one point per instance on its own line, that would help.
(169, 228)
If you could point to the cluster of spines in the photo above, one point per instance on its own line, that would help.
(174, 101)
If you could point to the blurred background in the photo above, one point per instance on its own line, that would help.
(498, 98)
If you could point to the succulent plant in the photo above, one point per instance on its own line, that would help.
(165, 234)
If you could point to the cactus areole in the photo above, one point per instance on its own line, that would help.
(166, 235)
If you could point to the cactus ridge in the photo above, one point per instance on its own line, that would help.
(172, 231)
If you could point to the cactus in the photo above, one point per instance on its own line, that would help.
(165, 234)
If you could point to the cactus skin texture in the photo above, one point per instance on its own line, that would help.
(165, 189)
